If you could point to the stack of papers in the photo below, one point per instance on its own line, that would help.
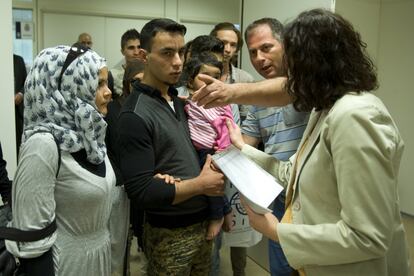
(258, 187)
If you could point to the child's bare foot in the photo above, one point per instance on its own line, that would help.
(214, 227)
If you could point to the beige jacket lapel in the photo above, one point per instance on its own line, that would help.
(306, 146)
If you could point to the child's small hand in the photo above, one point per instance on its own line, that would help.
(228, 222)
(183, 97)
(213, 228)
(169, 179)
(235, 134)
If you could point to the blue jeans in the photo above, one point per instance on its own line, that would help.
(215, 255)
(277, 260)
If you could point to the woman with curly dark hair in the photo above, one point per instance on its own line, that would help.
(326, 59)
(342, 208)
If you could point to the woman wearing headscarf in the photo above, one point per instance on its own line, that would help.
(342, 207)
(65, 101)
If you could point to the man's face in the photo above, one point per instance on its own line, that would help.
(131, 49)
(165, 61)
(86, 40)
(229, 39)
(266, 52)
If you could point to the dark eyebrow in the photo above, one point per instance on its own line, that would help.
(168, 49)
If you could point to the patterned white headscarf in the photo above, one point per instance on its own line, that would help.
(70, 113)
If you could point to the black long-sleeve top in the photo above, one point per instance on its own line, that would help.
(111, 138)
(20, 73)
(5, 183)
(153, 138)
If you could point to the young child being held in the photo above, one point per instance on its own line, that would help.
(208, 131)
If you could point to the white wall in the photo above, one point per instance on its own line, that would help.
(7, 133)
(365, 17)
(106, 32)
(396, 72)
(60, 22)
(386, 27)
(200, 16)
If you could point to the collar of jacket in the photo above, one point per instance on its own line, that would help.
(153, 92)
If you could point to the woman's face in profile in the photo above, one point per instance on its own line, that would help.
(103, 94)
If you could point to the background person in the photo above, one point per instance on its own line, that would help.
(233, 42)
(85, 39)
(280, 129)
(20, 74)
(5, 183)
(130, 47)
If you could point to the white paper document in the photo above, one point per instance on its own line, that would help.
(257, 186)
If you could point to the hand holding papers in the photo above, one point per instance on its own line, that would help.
(257, 186)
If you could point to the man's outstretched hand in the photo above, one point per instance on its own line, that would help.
(213, 94)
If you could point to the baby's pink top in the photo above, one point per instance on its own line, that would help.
(208, 126)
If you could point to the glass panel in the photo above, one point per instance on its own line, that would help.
(23, 34)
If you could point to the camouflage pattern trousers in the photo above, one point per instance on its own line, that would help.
(178, 251)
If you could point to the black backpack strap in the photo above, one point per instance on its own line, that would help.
(15, 234)
(59, 155)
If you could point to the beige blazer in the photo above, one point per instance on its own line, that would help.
(345, 206)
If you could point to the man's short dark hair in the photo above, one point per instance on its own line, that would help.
(229, 27)
(206, 43)
(157, 25)
(275, 26)
(131, 34)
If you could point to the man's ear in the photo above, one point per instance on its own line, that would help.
(143, 55)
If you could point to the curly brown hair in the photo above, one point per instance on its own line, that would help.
(326, 59)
